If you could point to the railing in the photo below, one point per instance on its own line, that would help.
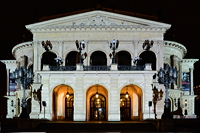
(96, 68)
(130, 68)
(62, 68)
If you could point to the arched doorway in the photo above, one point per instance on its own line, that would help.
(148, 57)
(131, 103)
(98, 58)
(72, 58)
(48, 58)
(123, 58)
(96, 107)
(63, 103)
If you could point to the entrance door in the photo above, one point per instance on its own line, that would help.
(69, 107)
(98, 108)
(125, 107)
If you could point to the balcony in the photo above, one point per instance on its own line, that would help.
(98, 68)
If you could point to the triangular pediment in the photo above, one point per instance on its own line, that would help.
(97, 19)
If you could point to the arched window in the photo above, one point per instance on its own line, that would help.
(72, 58)
(48, 58)
(148, 57)
(123, 58)
(98, 58)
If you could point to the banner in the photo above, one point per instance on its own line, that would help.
(186, 81)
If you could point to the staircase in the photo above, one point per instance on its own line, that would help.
(95, 127)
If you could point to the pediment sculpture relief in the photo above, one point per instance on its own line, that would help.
(97, 21)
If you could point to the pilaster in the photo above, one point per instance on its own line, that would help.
(45, 96)
(191, 81)
(114, 99)
(35, 59)
(36, 101)
(147, 97)
(7, 79)
(79, 99)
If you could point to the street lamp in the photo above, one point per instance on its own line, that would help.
(147, 45)
(167, 76)
(47, 46)
(80, 46)
(113, 46)
(157, 96)
(24, 76)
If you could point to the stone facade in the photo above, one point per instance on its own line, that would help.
(98, 29)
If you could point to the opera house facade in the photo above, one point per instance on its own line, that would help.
(87, 70)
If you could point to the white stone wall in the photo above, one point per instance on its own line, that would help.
(80, 81)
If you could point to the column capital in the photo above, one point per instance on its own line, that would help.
(191, 69)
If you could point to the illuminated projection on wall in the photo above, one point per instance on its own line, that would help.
(186, 81)
(12, 83)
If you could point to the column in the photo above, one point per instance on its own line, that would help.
(172, 65)
(191, 81)
(113, 99)
(134, 54)
(180, 75)
(8, 74)
(79, 99)
(160, 48)
(36, 62)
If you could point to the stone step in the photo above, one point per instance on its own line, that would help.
(95, 127)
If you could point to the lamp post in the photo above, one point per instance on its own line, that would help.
(167, 76)
(157, 96)
(113, 46)
(147, 45)
(80, 46)
(47, 46)
(24, 76)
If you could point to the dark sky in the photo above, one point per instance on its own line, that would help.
(183, 15)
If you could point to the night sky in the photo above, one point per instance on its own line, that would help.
(183, 15)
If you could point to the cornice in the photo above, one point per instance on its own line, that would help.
(176, 45)
(189, 60)
(96, 28)
(9, 61)
(21, 46)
